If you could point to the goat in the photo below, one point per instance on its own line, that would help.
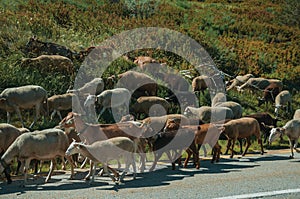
(173, 141)
(297, 114)
(8, 134)
(94, 87)
(292, 130)
(23, 97)
(140, 83)
(142, 60)
(266, 122)
(36, 47)
(97, 132)
(269, 94)
(105, 150)
(110, 99)
(57, 103)
(151, 106)
(259, 84)
(201, 83)
(236, 108)
(50, 63)
(284, 98)
(239, 80)
(207, 113)
(158, 123)
(218, 98)
(204, 134)
(40, 145)
(241, 128)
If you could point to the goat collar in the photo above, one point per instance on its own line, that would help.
(3, 163)
(84, 128)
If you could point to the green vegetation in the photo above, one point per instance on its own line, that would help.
(254, 36)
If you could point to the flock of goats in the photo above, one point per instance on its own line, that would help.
(162, 132)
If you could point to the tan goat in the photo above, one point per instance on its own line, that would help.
(241, 128)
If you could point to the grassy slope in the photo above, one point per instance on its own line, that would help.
(254, 36)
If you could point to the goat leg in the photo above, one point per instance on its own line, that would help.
(156, 158)
(52, 166)
(247, 146)
(292, 143)
(87, 177)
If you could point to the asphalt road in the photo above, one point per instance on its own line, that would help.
(272, 175)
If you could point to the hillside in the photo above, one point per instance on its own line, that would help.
(254, 36)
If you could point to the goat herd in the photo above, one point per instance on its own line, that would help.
(161, 132)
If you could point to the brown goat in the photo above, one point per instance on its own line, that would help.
(242, 128)
(140, 83)
(201, 136)
(266, 122)
(176, 141)
(269, 94)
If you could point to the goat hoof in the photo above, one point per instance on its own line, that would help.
(291, 157)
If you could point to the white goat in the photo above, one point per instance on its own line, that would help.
(284, 98)
(95, 86)
(297, 114)
(236, 108)
(109, 99)
(63, 102)
(218, 98)
(23, 97)
(292, 130)
(41, 145)
(104, 151)
(209, 114)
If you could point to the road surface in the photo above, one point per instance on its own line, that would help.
(272, 175)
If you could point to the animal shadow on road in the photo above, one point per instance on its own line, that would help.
(160, 177)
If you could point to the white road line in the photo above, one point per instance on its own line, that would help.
(261, 194)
